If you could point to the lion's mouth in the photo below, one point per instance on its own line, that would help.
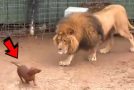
(62, 52)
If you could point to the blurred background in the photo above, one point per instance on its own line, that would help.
(17, 16)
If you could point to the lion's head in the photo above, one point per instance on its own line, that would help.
(68, 35)
(67, 44)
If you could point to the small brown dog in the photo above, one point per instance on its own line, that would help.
(26, 74)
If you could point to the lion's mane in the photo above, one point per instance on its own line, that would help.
(79, 28)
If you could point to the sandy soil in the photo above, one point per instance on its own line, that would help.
(113, 71)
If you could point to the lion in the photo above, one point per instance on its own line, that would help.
(93, 29)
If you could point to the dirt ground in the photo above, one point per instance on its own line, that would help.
(113, 71)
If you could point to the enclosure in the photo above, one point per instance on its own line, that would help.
(113, 71)
(18, 15)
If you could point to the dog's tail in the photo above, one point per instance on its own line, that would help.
(15, 63)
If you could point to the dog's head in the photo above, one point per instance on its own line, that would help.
(33, 71)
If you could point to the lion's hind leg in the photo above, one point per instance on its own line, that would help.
(109, 44)
(131, 39)
(126, 34)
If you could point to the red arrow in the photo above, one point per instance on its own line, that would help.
(12, 50)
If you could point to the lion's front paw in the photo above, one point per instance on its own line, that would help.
(64, 63)
(104, 50)
(92, 58)
(132, 49)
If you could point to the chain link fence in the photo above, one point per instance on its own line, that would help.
(17, 16)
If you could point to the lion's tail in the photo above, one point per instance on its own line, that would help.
(130, 25)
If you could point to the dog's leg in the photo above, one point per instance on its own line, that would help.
(27, 81)
(20, 77)
(109, 45)
(66, 61)
(34, 82)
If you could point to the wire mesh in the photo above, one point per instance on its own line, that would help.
(17, 16)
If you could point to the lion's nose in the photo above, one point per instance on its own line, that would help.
(59, 49)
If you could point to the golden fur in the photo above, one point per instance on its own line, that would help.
(113, 16)
(76, 27)
(114, 20)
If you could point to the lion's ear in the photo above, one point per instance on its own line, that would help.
(70, 31)
(55, 39)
